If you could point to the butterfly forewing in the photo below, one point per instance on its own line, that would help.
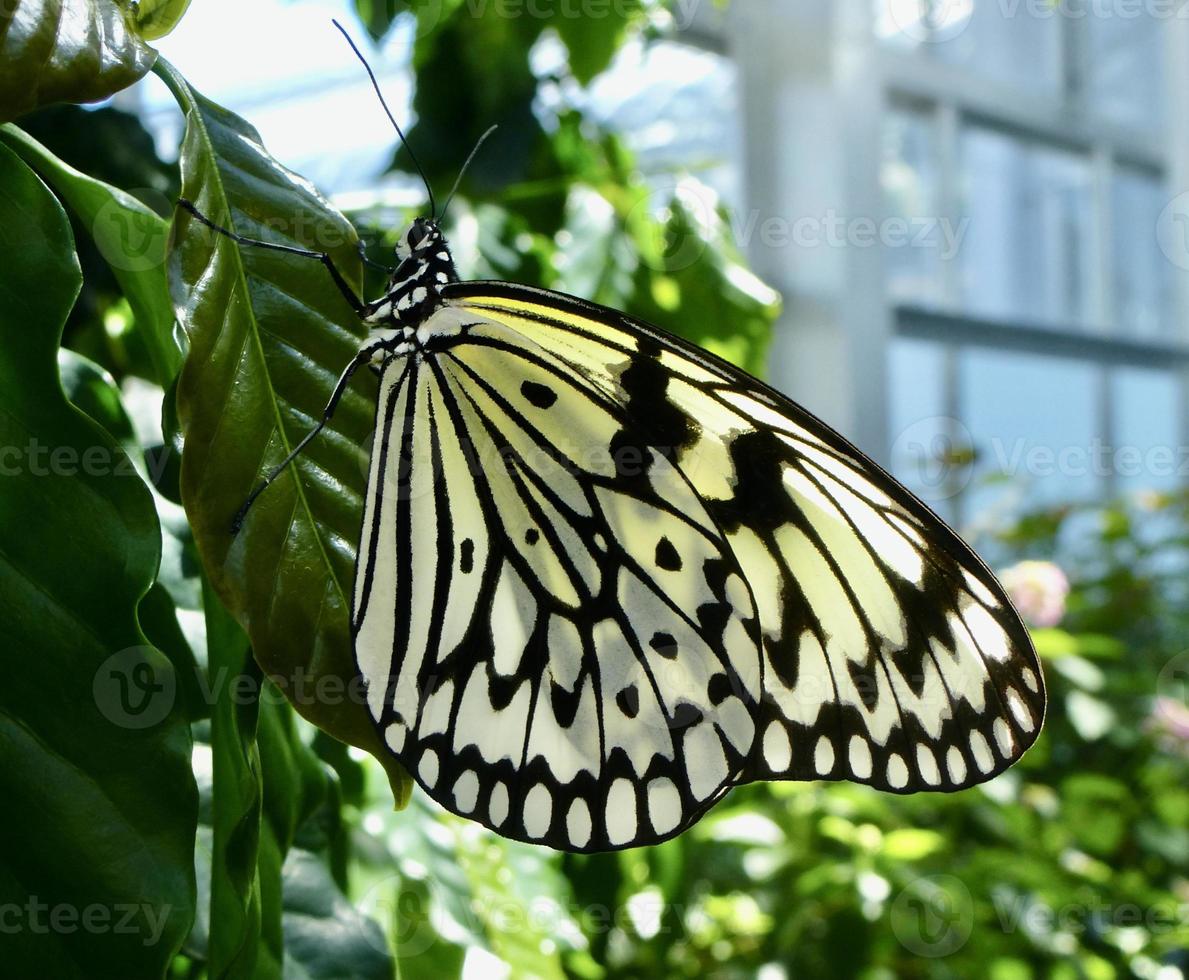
(581, 662)
(604, 576)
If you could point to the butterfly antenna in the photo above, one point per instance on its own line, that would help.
(463, 171)
(433, 209)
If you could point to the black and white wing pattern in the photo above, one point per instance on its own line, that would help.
(604, 576)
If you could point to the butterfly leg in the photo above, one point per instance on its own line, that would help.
(365, 356)
(349, 294)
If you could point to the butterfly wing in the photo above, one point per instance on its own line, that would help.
(718, 589)
(556, 637)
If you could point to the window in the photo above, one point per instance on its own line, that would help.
(1044, 362)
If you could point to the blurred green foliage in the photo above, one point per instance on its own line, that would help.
(1074, 864)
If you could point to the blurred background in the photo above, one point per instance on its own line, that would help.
(959, 232)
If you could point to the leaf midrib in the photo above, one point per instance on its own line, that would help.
(194, 114)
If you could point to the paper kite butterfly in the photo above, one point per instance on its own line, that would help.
(604, 576)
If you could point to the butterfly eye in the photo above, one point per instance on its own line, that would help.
(416, 235)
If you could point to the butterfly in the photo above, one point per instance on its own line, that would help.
(604, 576)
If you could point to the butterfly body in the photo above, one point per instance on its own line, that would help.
(603, 576)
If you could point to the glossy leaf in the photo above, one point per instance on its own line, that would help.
(268, 336)
(94, 754)
(237, 800)
(66, 51)
(129, 236)
(156, 18)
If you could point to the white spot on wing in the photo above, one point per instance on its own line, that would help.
(664, 805)
(466, 791)
(955, 765)
(428, 768)
(621, 812)
(897, 772)
(823, 756)
(704, 760)
(395, 735)
(1019, 710)
(778, 752)
(578, 823)
(981, 752)
(927, 765)
(538, 811)
(497, 808)
(859, 755)
(1003, 738)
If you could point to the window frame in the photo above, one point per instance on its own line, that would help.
(865, 78)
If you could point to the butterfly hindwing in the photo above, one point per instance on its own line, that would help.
(891, 654)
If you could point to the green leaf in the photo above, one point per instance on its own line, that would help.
(912, 843)
(269, 336)
(326, 938)
(66, 51)
(94, 756)
(129, 236)
(237, 799)
(593, 37)
(153, 19)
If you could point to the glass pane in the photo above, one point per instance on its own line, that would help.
(1143, 275)
(920, 436)
(1033, 421)
(909, 176)
(1124, 68)
(1015, 44)
(1026, 255)
(1148, 415)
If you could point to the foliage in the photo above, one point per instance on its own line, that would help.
(156, 744)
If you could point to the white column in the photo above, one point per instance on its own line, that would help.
(812, 102)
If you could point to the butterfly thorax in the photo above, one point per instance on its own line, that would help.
(414, 290)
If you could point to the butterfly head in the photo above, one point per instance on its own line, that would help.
(422, 237)
(423, 257)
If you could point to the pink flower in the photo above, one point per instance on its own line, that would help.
(1038, 590)
(1169, 723)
